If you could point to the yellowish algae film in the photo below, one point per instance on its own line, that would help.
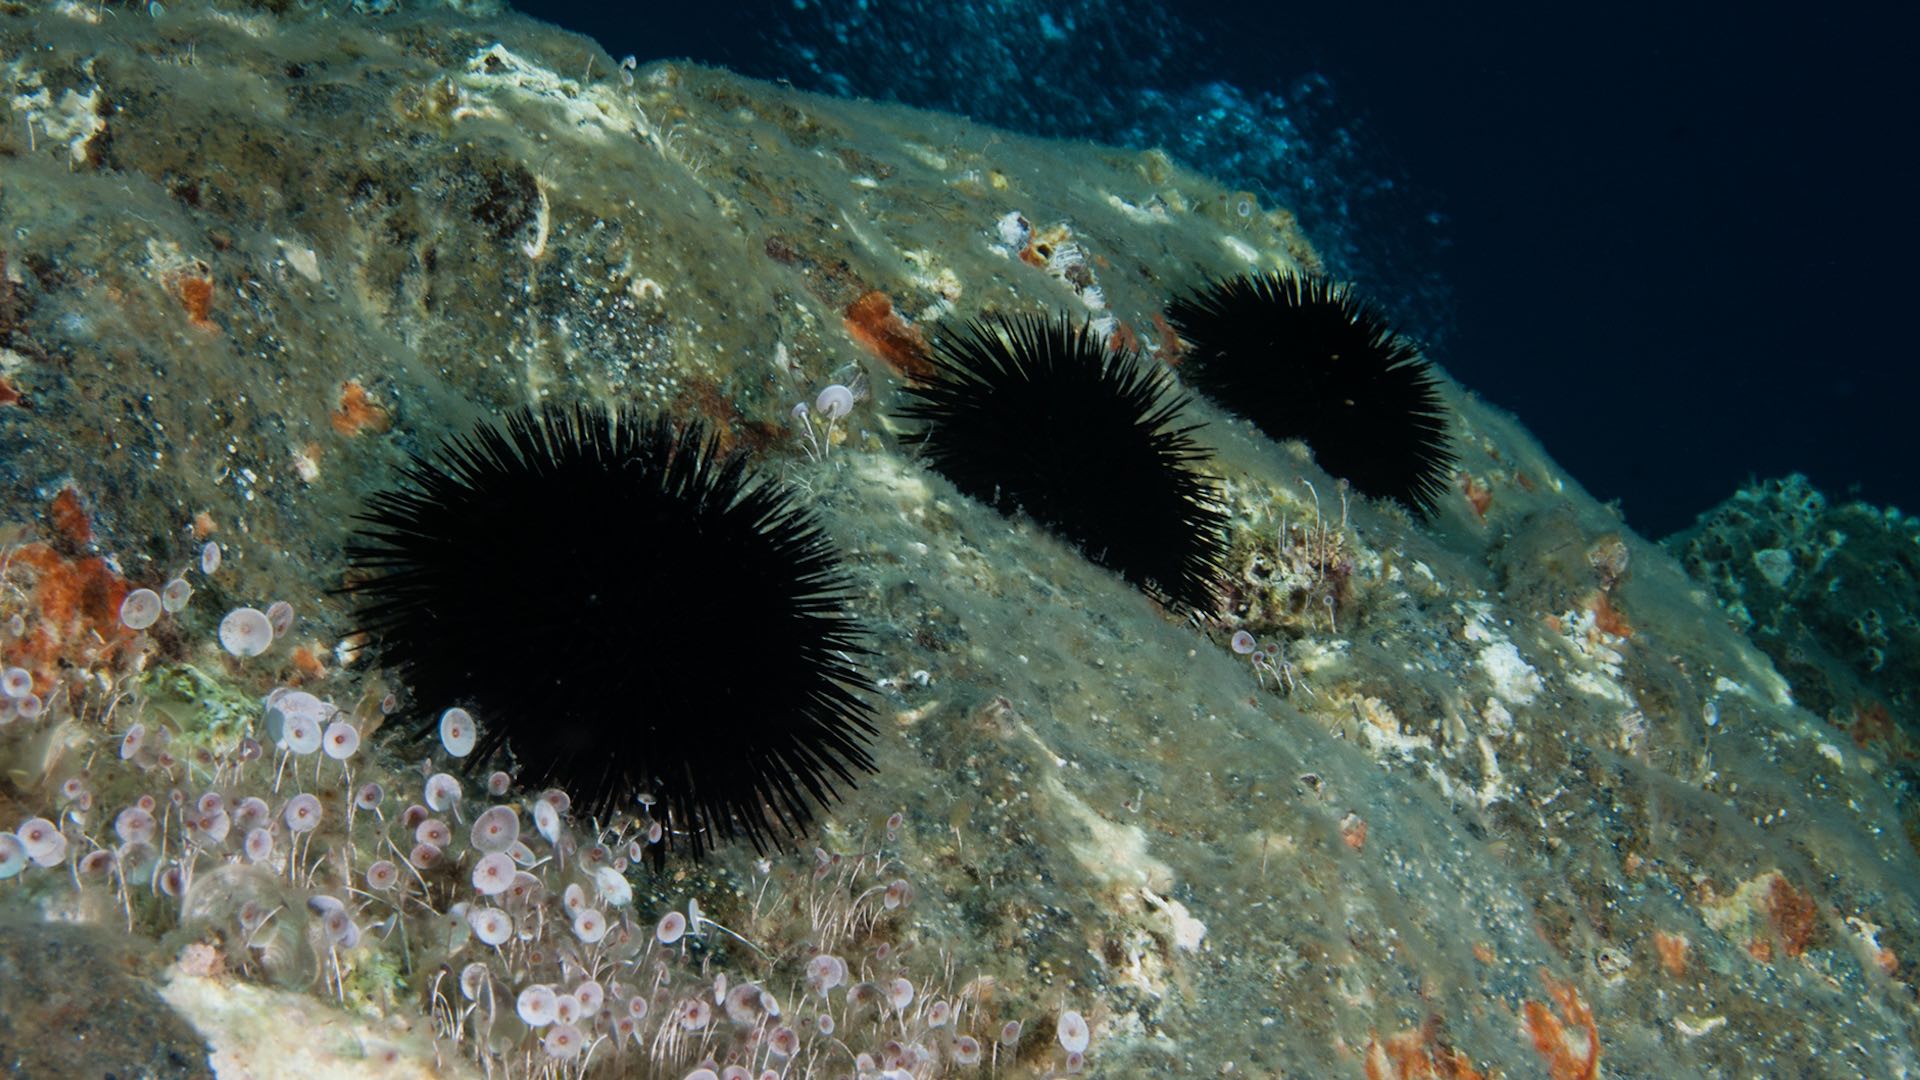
(1512, 795)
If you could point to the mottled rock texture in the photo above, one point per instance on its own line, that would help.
(75, 1001)
(1531, 804)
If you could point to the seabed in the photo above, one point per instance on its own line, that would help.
(1529, 801)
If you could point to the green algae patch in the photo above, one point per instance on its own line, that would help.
(375, 985)
(204, 712)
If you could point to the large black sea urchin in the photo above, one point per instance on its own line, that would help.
(1040, 416)
(1304, 358)
(628, 614)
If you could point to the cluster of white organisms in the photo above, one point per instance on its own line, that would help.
(295, 854)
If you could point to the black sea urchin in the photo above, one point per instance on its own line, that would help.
(627, 613)
(1040, 416)
(1304, 358)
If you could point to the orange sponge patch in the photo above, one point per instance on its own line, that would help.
(1567, 1041)
(880, 330)
(77, 602)
(196, 296)
(357, 413)
(68, 516)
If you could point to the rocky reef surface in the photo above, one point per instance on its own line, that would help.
(1515, 796)
(1830, 592)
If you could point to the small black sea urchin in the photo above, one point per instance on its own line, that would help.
(1304, 358)
(1040, 416)
(627, 613)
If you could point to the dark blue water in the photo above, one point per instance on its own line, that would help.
(1676, 242)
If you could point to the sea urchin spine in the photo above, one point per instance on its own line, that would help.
(628, 613)
(1041, 416)
(1304, 358)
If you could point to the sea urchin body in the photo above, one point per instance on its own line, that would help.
(624, 609)
(1304, 358)
(1042, 417)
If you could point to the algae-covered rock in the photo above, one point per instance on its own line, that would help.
(73, 1002)
(204, 712)
(1509, 793)
(1829, 592)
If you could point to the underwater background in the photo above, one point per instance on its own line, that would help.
(1588, 749)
